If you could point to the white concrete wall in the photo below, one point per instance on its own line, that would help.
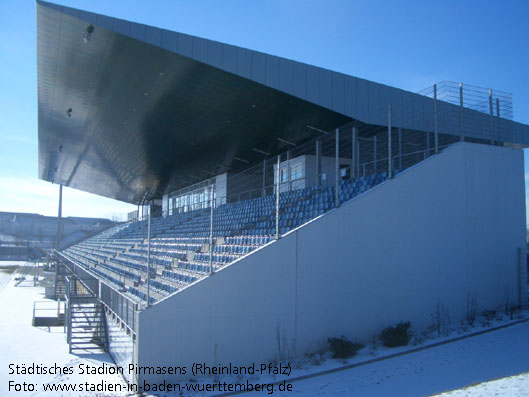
(439, 232)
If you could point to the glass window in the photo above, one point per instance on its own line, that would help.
(296, 172)
(284, 175)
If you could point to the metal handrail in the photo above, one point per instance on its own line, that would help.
(115, 291)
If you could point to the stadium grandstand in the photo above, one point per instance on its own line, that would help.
(278, 203)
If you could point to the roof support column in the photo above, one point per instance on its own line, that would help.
(375, 153)
(491, 112)
(277, 194)
(264, 177)
(212, 205)
(427, 151)
(390, 153)
(288, 172)
(400, 149)
(498, 132)
(357, 154)
(59, 219)
(461, 133)
(318, 163)
(149, 256)
(353, 152)
(337, 170)
(436, 137)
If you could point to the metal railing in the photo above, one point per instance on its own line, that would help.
(325, 169)
(116, 302)
(120, 306)
(54, 309)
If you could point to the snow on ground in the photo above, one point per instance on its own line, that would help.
(511, 386)
(493, 363)
(443, 363)
(447, 367)
(25, 345)
(6, 272)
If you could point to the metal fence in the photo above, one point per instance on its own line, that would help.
(85, 283)
(473, 112)
(404, 134)
(312, 177)
(120, 306)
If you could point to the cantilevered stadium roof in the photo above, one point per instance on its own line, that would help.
(132, 112)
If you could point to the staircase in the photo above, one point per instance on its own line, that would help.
(85, 319)
(86, 326)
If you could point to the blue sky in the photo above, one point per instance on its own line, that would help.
(406, 44)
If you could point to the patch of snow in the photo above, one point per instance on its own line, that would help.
(446, 362)
(512, 386)
(24, 345)
(447, 367)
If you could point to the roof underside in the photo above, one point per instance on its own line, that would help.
(145, 120)
(132, 112)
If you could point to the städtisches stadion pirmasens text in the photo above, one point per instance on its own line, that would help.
(33, 370)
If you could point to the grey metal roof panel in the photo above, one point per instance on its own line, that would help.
(146, 120)
(320, 86)
(101, 81)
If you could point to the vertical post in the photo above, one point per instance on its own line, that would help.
(461, 134)
(212, 205)
(522, 272)
(149, 256)
(277, 194)
(59, 219)
(400, 149)
(375, 153)
(337, 169)
(264, 177)
(357, 143)
(66, 319)
(498, 136)
(390, 153)
(427, 151)
(353, 154)
(491, 112)
(436, 137)
(288, 172)
(69, 336)
(318, 163)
